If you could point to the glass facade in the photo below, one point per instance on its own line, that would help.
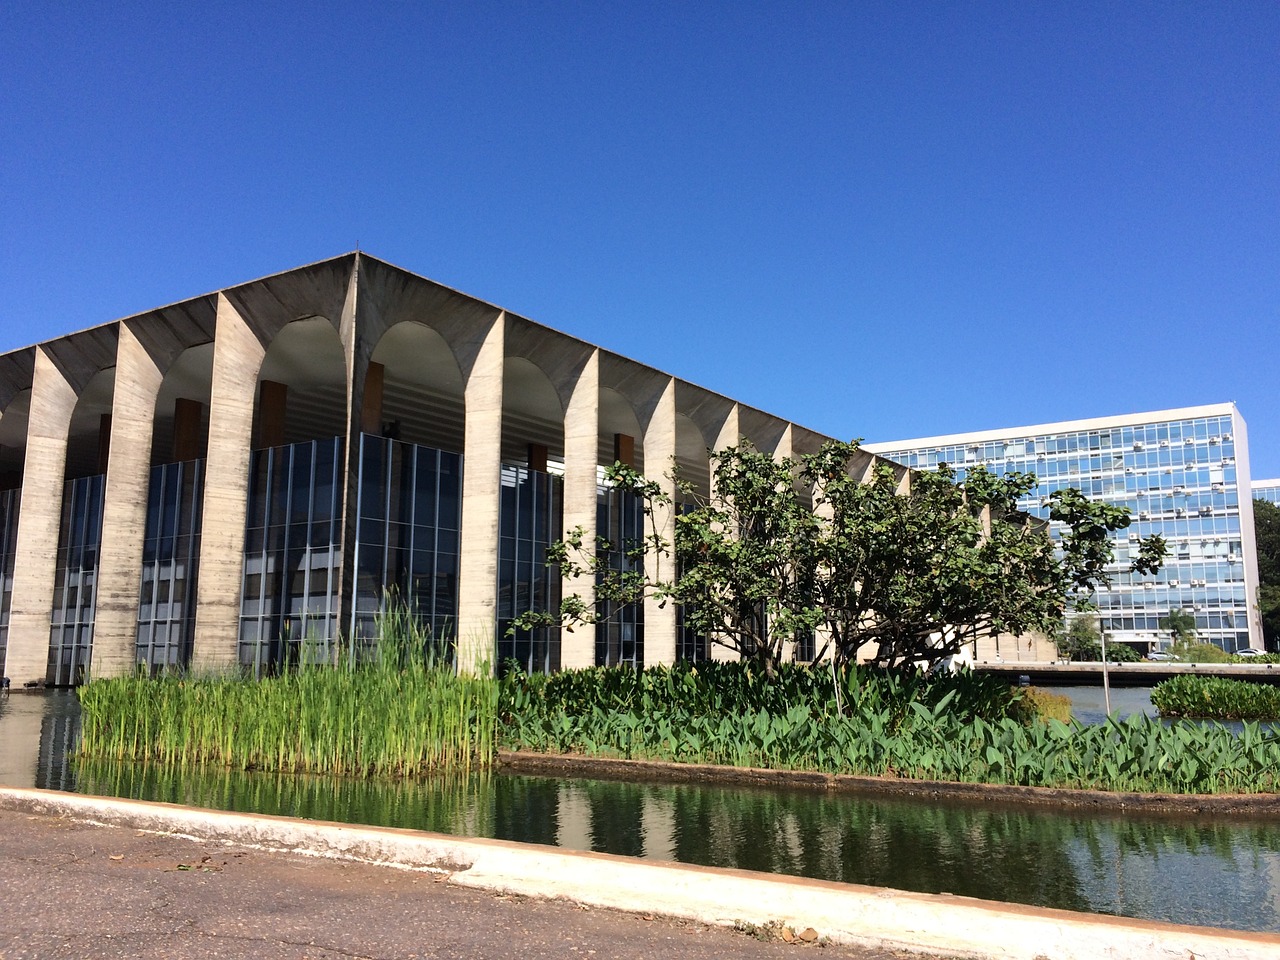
(1268, 490)
(1178, 477)
(690, 645)
(9, 504)
(407, 536)
(75, 583)
(292, 555)
(170, 564)
(620, 527)
(529, 519)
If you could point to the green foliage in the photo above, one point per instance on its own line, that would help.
(1040, 704)
(1260, 658)
(1181, 625)
(1079, 639)
(955, 729)
(1193, 652)
(402, 713)
(915, 568)
(1216, 698)
(1266, 526)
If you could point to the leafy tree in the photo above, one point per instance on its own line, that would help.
(922, 573)
(1181, 626)
(1266, 525)
(1079, 639)
(786, 546)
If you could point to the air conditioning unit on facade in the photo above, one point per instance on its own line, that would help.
(1190, 441)
(1139, 445)
(1226, 438)
(1213, 439)
(1175, 583)
(1143, 515)
(1164, 443)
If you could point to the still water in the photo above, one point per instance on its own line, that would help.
(1218, 873)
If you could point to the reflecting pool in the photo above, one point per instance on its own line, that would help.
(1212, 872)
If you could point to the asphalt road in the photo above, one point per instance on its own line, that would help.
(72, 890)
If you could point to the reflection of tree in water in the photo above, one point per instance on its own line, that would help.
(1209, 871)
(526, 809)
(617, 815)
(993, 852)
(995, 855)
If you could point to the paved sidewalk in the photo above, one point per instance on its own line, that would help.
(71, 890)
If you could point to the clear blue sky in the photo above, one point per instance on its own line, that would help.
(879, 220)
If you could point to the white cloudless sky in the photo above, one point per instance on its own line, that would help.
(884, 220)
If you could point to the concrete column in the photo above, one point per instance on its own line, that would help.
(124, 514)
(237, 358)
(481, 502)
(581, 457)
(53, 400)
(730, 435)
(659, 454)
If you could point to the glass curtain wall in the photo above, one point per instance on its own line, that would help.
(75, 584)
(407, 537)
(690, 645)
(170, 564)
(620, 528)
(530, 519)
(289, 597)
(9, 501)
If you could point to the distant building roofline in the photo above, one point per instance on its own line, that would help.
(1064, 426)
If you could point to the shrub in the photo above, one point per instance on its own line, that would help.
(1216, 698)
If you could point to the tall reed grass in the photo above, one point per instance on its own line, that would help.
(402, 711)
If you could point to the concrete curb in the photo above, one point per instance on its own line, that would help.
(844, 913)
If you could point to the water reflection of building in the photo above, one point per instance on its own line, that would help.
(241, 478)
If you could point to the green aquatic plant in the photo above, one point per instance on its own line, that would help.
(401, 712)
(1216, 698)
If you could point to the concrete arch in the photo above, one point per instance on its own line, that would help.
(618, 417)
(305, 366)
(767, 434)
(181, 420)
(414, 389)
(691, 455)
(89, 432)
(532, 415)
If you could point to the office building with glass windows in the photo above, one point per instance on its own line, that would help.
(1183, 474)
(249, 477)
(1268, 490)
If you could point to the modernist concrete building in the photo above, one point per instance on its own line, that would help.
(1183, 474)
(240, 477)
(1268, 490)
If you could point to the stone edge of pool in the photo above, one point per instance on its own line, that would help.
(655, 771)
(845, 913)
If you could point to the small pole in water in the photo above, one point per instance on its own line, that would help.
(1106, 680)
